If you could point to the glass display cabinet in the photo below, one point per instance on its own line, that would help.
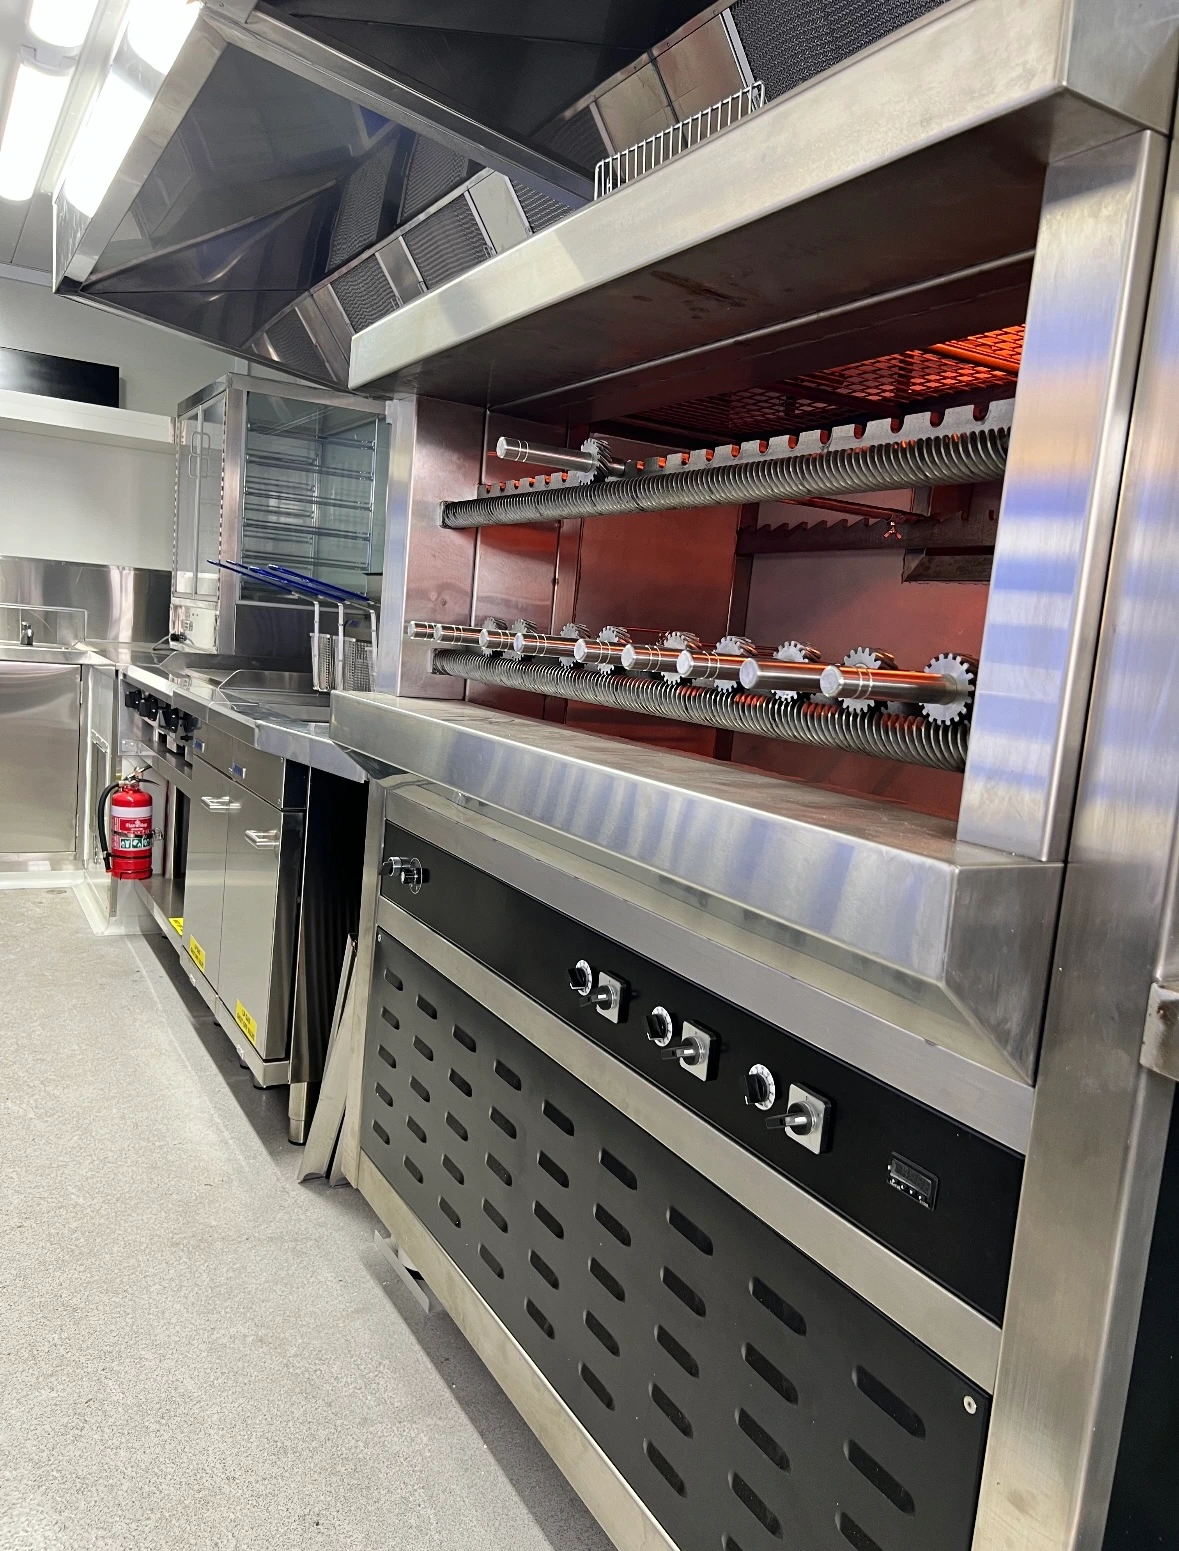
(271, 473)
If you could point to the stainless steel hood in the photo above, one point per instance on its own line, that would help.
(272, 157)
(892, 199)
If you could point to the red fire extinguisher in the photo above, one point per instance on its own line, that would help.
(129, 852)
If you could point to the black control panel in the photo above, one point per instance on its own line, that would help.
(937, 1193)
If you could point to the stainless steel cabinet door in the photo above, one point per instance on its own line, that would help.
(39, 732)
(215, 798)
(262, 871)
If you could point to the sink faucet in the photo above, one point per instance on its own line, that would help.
(26, 633)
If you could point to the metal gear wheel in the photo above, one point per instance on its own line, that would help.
(865, 657)
(965, 670)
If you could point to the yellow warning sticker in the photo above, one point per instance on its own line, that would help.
(246, 1024)
(177, 924)
(197, 954)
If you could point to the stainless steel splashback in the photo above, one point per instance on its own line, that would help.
(122, 603)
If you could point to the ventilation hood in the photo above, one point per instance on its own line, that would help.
(307, 167)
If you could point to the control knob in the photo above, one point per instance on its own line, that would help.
(660, 1027)
(761, 1088)
(406, 870)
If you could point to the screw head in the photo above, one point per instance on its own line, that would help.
(380, 937)
(970, 1404)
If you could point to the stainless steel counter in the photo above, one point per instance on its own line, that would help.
(293, 725)
(875, 905)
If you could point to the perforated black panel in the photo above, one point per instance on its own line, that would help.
(447, 243)
(749, 1398)
(365, 293)
(789, 43)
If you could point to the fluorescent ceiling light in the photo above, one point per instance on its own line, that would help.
(37, 99)
(104, 140)
(63, 23)
(157, 30)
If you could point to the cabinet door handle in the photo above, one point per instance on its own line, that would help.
(220, 804)
(263, 839)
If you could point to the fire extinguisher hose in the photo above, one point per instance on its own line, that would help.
(101, 817)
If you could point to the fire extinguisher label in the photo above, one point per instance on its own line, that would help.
(197, 954)
(246, 1024)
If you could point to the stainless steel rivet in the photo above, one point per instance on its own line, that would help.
(971, 1404)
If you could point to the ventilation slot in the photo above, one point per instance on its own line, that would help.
(358, 223)
(420, 1089)
(293, 346)
(789, 44)
(577, 140)
(553, 1224)
(501, 1120)
(419, 1044)
(506, 1074)
(671, 1411)
(381, 1132)
(365, 294)
(773, 1376)
(553, 1169)
(610, 1282)
(414, 1129)
(688, 1296)
(760, 1510)
(387, 1056)
(595, 1327)
(591, 1381)
(892, 1405)
(536, 1314)
(685, 1226)
(461, 1083)
(768, 1445)
(496, 1216)
(619, 1169)
(447, 243)
(457, 1126)
(394, 980)
(778, 1306)
(539, 210)
(665, 1468)
(679, 1353)
(464, 1039)
(874, 1473)
(447, 1210)
(489, 1260)
(498, 1169)
(611, 1224)
(412, 1169)
(542, 1268)
(854, 1535)
(433, 171)
(384, 1095)
(427, 1007)
(452, 1169)
(560, 1120)
(390, 1018)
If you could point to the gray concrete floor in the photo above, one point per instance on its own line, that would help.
(195, 1351)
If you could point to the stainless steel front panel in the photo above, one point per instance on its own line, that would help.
(122, 603)
(1101, 1119)
(951, 940)
(213, 797)
(39, 743)
(262, 873)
